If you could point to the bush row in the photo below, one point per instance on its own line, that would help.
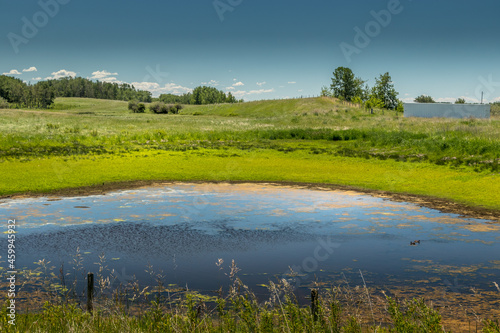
(156, 107)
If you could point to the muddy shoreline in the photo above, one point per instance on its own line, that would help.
(446, 206)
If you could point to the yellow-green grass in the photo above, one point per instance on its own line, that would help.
(109, 118)
(46, 175)
(102, 141)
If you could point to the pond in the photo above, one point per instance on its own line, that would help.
(324, 236)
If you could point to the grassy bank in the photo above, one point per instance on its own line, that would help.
(46, 175)
(84, 142)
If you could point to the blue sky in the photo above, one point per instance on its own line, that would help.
(258, 49)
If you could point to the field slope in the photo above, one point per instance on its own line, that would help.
(88, 142)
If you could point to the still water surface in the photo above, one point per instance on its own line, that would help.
(325, 236)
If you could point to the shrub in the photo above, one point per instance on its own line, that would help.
(159, 107)
(141, 108)
(162, 108)
(3, 104)
(178, 107)
(136, 107)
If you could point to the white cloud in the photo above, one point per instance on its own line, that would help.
(36, 78)
(445, 100)
(12, 72)
(496, 99)
(111, 79)
(60, 74)
(31, 69)
(470, 99)
(157, 90)
(300, 90)
(241, 93)
(211, 83)
(230, 88)
(261, 83)
(260, 91)
(408, 100)
(291, 82)
(238, 84)
(99, 75)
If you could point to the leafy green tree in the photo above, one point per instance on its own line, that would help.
(384, 91)
(358, 100)
(366, 92)
(174, 99)
(345, 85)
(230, 98)
(424, 99)
(209, 95)
(400, 107)
(460, 101)
(326, 92)
(374, 102)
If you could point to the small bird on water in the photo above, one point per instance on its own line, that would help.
(415, 242)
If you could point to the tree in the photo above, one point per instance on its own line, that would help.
(209, 95)
(384, 91)
(374, 102)
(345, 85)
(326, 92)
(424, 99)
(230, 98)
(171, 98)
(358, 100)
(460, 101)
(400, 107)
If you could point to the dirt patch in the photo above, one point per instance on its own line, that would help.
(440, 204)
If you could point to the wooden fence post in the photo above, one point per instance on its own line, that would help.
(90, 292)
(314, 304)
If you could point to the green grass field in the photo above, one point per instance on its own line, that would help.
(83, 142)
(86, 142)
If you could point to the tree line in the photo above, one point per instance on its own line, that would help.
(346, 86)
(201, 95)
(19, 94)
(16, 93)
(80, 87)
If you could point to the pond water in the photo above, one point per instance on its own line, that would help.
(325, 236)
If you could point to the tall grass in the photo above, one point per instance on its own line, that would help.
(49, 302)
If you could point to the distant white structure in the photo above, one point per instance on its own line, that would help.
(432, 110)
